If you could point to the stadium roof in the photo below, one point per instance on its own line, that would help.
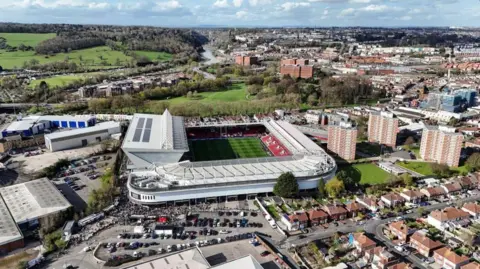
(156, 133)
(292, 138)
(9, 231)
(32, 200)
(247, 262)
(187, 259)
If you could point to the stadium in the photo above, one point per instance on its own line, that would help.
(173, 161)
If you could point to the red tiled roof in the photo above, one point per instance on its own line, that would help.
(473, 207)
(449, 213)
(334, 209)
(300, 216)
(472, 265)
(354, 206)
(453, 187)
(425, 241)
(451, 256)
(316, 214)
(400, 266)
(363, 240)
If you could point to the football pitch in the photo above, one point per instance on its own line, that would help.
(224, 149)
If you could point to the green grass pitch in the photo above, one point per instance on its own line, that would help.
(224, 149)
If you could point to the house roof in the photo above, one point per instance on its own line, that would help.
(298, 216)
(452, 187)
(393, 197)
(434, 191)
(370, 201)
(334, 209)
(425, 241)
(400, 226)
(364, 240)
(467, 181)
(449, 213)
(451, 256)
(315, 214)
(472, 265)
(400, 266)
(472, 207)
(354, 206)
(413, 194)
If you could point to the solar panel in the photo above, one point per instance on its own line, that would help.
(146, 135)
(137, 135)
(149, 123)
(140, 123)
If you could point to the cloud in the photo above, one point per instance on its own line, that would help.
(405, 18)
(255, 3)
(220, 3)
(344, 1)
(347, 12)
(242, 14)
(237, 3)
(287, 6)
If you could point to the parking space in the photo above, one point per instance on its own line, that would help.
(83, 177)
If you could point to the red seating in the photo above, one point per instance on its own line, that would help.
(275, 146)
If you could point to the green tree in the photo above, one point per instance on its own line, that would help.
(22, 264)
(440, 170)
(334, 187)
(407, 179)
(286, 186)
(420, 211)
(322, 193)
(409, 142)
(118, 62)
(473, 162)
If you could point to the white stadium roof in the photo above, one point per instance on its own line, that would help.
(32, 200)
(308, 160)
(187, 259)
(9, 231)
(156, 133)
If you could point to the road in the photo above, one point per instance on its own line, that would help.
(374, 227)
(205, 74)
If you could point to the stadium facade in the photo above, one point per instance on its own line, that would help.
(161, 175)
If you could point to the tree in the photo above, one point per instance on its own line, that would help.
(452, 122)
(286, 186)
(473, 162)
(334, 187)
(22, 264)
(322, 193)
(440, 170)
(189, 94)
(409, 142)
(407, 179)
(118, 62)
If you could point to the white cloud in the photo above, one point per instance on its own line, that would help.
(325, 14)
(405, 18)
(287, 6)
(242, 14)
(237, 3)
(380, 8)
(255, 3)
(344, 1)
(220, 3)
(347, 12)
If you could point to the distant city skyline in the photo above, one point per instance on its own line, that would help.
(247, 13)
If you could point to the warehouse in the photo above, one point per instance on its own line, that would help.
(66, 121)
(25, 128)
(10, 236)
(81, 137)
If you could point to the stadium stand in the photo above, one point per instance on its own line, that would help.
(275, 147)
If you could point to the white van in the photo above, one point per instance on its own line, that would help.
(169, 248)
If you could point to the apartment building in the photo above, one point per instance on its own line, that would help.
(294, 62)
(441, 144)
(342, 139)
(383, 128)
(246, 60)
(297, 71)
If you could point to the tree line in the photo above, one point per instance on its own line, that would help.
(62, 44)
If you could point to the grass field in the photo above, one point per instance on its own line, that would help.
(62, 80)
(15, 39)
(224, 149)
(424, 168)
(93, 57)
(154, 55)
(236, 92)
(368, 173)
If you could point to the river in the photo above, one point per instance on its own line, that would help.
(208, 56)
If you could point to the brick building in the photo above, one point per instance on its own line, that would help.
(297, 71)
(300, 62)
(441, 144)
(342, 139)
(383, 128)
(423, 244)
(246, 60)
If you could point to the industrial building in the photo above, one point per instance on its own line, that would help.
(441, 144)
(162, 178)
(342, 139)
(383, 128)
(76, 138)
(22, 208)
(193, 259)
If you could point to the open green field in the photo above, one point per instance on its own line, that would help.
(56, 81)
(225, 149)
(424, 168)
(236, 92)
(155, 56)
(95, 57)
(368, 173)
(15, 39)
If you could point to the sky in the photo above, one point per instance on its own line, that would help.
(246, 13)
